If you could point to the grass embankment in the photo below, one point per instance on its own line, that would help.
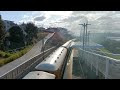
(107, 53)
(7, 57)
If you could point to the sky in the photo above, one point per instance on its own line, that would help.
(101, 21)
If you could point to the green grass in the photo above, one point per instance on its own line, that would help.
(10, 57)
(109, 55)
(104, 50)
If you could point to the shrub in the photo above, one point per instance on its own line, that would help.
(1, 62)
(2, 54)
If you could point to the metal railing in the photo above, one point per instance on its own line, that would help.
(109, 67)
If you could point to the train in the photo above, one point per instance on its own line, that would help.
(52, 66)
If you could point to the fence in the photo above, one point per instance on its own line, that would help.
(109, 67)
(14, 50)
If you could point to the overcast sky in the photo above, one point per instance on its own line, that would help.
(100, 20)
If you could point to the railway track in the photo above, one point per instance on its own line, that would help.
(52, 67)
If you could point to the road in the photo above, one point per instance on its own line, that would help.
(34, 51)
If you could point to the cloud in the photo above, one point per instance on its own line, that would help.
(100, 20)
(39, 18)
(26, 16)
(72, 18)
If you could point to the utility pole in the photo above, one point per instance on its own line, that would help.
(86, 33)
(85, 36)
(88, 38)
(84, 25)
(81, 35)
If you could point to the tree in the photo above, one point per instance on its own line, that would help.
(16, 36)
(2, 34)
(31, 31)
